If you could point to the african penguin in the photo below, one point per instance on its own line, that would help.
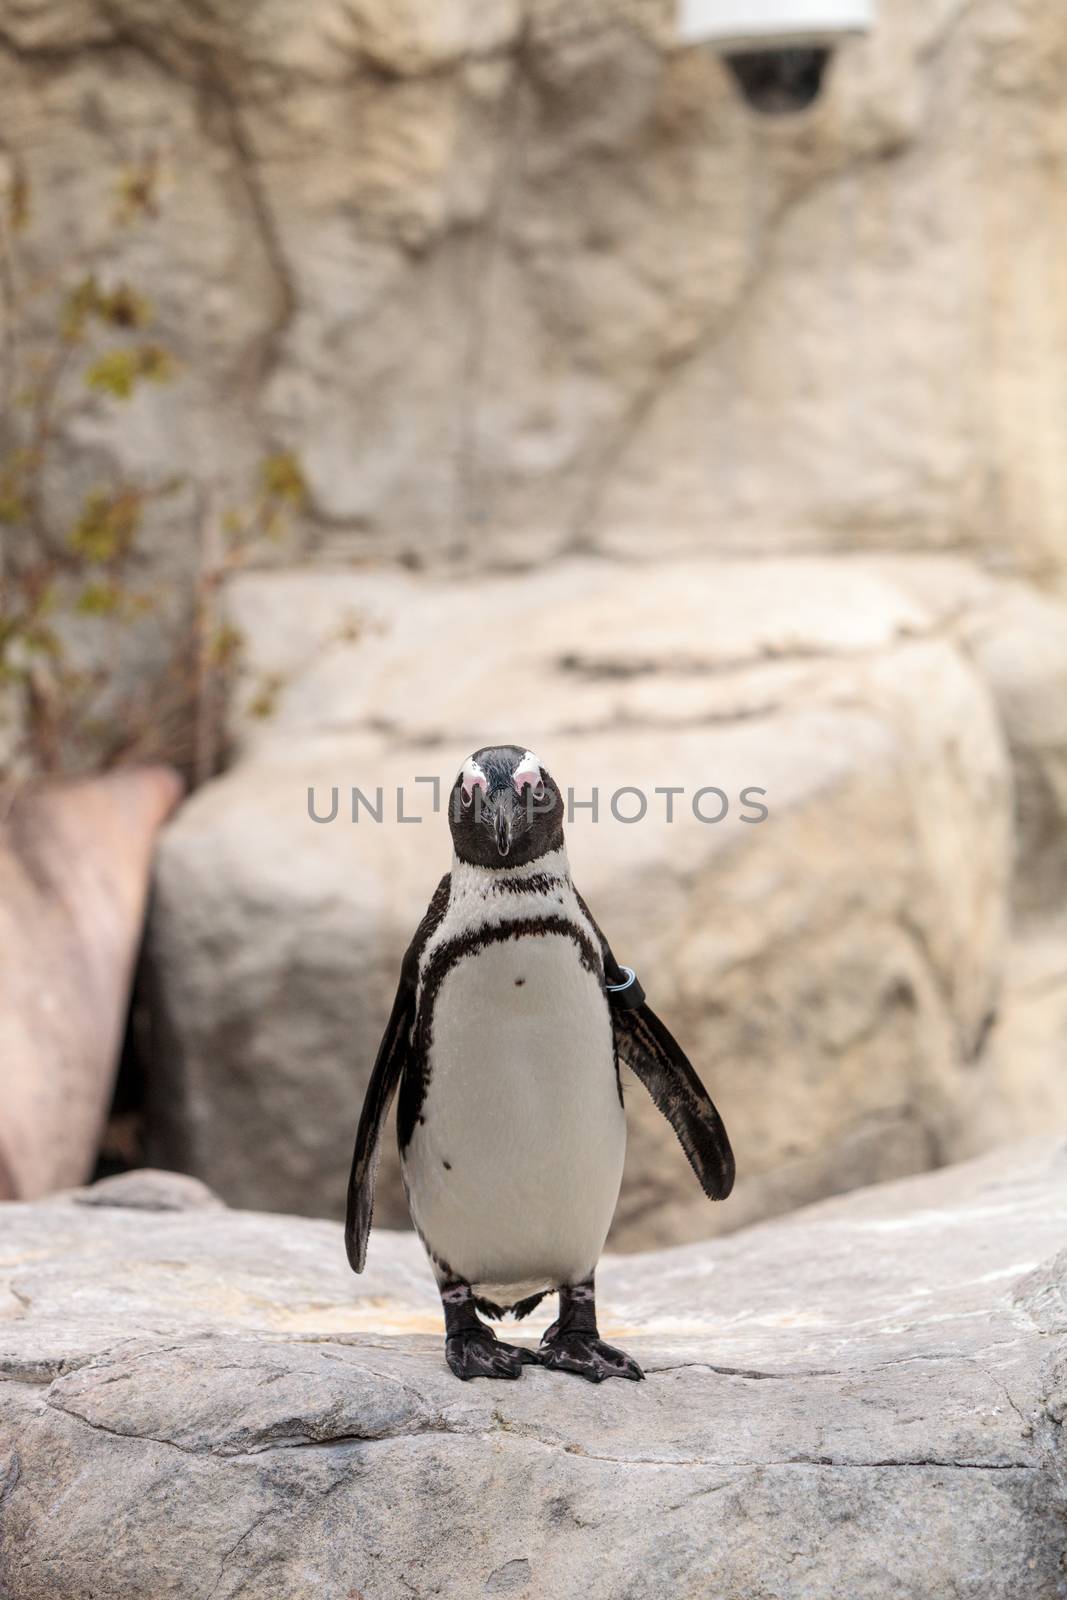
(504, 1039)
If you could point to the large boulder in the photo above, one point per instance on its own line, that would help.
(1017, 639)
(831, 969)
(521, 277)
(75, 861)
(864, 1400)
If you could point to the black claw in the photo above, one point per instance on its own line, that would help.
(587, 1356)
(475, 1353)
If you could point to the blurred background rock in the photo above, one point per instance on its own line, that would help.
(381, 380)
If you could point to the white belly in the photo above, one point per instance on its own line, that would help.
(514, 1171)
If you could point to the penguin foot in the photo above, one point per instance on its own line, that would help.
(477, 1353)
(586, 1355)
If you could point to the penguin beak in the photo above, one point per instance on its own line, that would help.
(503, 828)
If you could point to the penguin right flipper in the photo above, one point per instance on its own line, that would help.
(654, 1055)
(393, 1055)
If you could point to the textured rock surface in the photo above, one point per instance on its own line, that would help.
(1020, 1080)
(75, 861)
(1020, 647)
(862, 1400)
(1017, 640)
(830, 970)
(521, 277)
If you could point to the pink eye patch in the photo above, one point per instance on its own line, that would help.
(528, 773)
(473, 778)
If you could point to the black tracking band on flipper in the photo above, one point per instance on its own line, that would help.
(624, 990)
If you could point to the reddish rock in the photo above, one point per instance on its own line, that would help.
(75, 860)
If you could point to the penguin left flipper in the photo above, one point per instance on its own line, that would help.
(653, 1054)
(393, 1055)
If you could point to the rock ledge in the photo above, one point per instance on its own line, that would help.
(861, 1400)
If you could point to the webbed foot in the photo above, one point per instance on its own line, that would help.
(585, 1354)
(476, 1353)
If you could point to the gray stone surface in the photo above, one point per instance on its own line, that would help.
(864, 1400)
(830, 971)
(147, 1189)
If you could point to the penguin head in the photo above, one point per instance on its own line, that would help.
(504, 809)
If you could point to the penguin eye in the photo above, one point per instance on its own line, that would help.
(467, 798)
(538, 790)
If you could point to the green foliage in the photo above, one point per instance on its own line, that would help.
(120, 371)
(18, 201)
(283, 479)
(138, 194)
(86, 302)
(264, 702)
(108, 525)
(226, 645)
(12, 505)
(107, 598)
(99, 600)
(74, 581)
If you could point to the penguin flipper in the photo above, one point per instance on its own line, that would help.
(654, 1055)
(393, 1054)
(388, 1067)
